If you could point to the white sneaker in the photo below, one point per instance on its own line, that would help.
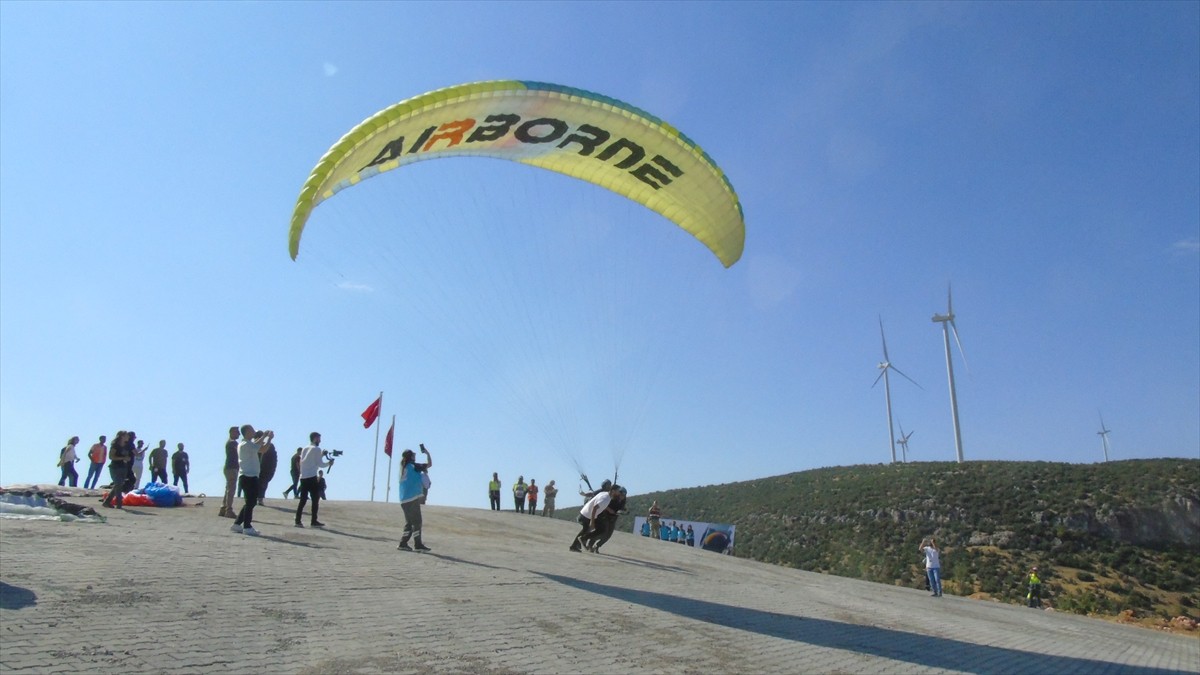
(250, 532)
(236, 528)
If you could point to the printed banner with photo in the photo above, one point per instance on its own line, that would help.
(716, 537)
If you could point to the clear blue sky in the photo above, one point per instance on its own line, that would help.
(1042, 157)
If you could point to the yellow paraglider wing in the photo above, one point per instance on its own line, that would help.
(571, 131)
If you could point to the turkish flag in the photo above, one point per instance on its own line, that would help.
(372, 412)
(387, 441)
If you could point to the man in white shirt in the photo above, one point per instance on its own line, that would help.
(589, 513)
(312, 459)
(248, 470)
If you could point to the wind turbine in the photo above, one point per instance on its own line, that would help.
(1103, 433)
(884, 367)
(947, 321)
(904, 442)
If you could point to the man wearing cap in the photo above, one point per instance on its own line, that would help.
(412, 493)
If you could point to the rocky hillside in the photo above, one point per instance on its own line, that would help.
(1114, 539)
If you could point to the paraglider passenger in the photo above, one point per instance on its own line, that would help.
(607, 521)
(588, 515)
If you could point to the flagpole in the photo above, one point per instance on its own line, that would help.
(375, 463)
(388, 495)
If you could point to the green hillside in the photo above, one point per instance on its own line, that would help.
(1108, 538)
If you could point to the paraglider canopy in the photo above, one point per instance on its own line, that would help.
(571, 131)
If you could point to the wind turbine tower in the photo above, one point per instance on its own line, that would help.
(947, 321)
(903, 442)
(1103, 433)
(884, 367)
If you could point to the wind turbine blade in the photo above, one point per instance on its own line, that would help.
(881, 372)
(883, 339)
(907, 377)
(909, 435)
(949, 300)
(959, 342)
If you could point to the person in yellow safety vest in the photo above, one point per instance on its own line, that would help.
(1035, 589)
(519, 490)
(494, 491)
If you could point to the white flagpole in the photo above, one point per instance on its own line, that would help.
(388, 495)
(375, 463)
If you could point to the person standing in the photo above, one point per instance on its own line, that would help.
(494, 491)
(180, 466)
(158, 463)
(655, 519)
(551, 492)
(120, 455)
(270, 460)
(231, 473)
(139, 461)
(588, 515)
(312, 460)
(519, 494)
(412, 492)
(1035, 589)
(933, 566)
(294, 468)
(98, 456)
(249, 468)
(66, 462)
(531, 494)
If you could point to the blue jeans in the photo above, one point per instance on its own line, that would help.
(93, 475)
(935, 580)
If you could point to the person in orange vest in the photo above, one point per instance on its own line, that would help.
(531, 494)
(99, 455)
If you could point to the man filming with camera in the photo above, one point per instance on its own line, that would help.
(312, 459)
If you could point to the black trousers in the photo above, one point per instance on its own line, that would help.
(181, 477)
(249, 485)
(310, 488)
(494, 498)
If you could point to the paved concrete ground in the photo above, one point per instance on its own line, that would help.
(173, 590)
